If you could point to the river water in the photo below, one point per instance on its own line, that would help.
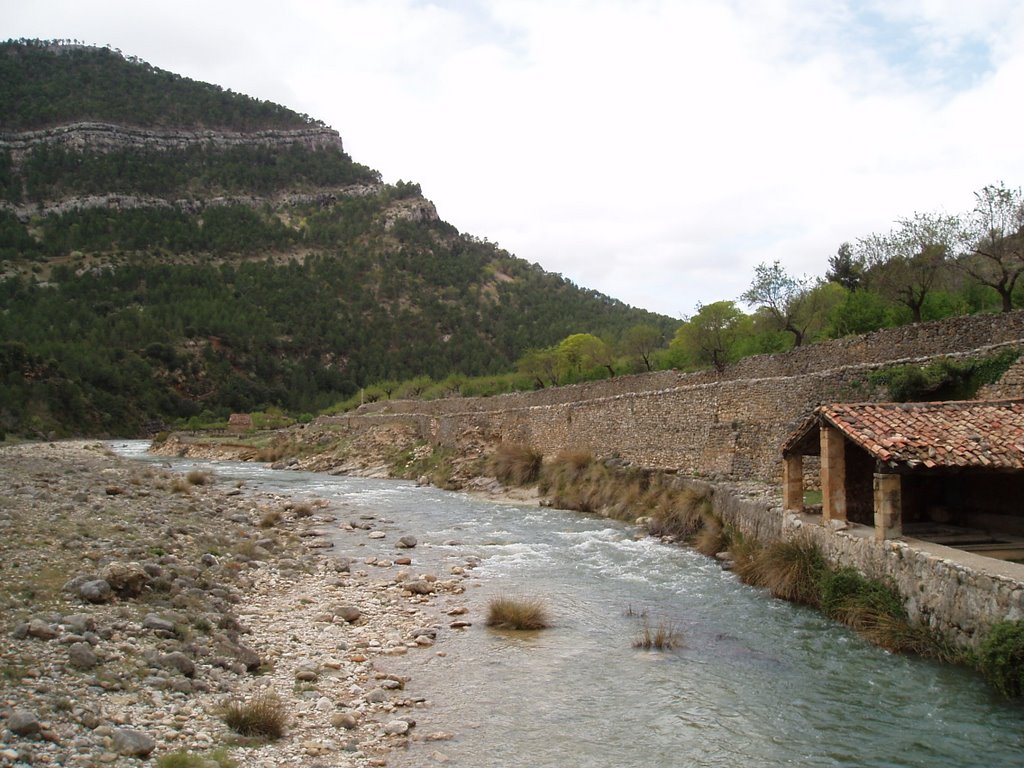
(757, 681)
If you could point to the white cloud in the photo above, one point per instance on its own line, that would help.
(653, 150)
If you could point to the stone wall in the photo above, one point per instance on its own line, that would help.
(957, 594)
(725, 425)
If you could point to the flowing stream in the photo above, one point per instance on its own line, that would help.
(757, 681)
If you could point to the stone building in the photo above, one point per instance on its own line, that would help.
(947, 472)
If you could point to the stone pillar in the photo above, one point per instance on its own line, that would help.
(793, 483)
(833, 474)
(888, 506)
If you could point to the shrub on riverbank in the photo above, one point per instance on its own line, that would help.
(790, 570)
(516, 465)
(517, 613)
(1001, 658)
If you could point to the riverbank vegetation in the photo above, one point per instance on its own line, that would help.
(793, 570)
(519, 613)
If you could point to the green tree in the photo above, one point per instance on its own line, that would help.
(541, 365)
(710, 337)
(583, 351)
(640, 341)
(845, 268)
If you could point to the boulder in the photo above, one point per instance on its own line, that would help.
(126, 579)
(126, 741)
(96, 591)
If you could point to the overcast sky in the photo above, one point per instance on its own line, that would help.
(654, 150)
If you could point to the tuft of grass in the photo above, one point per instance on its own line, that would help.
(302, 510)
(184, 759)
(263, 716)
(711, 538)
(180, 485)
(791, 570)
(516, 465)
(506, 612)
(678, 514)
(663, 637)
(270, 518)
(1001, 658)
(198, 477)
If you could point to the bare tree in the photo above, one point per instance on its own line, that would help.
(912, 260)
(994, 231)
(782, 296)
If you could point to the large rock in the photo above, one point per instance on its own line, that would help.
(21, 722)
(180, 662)
(126, 741)
(406, 542)
(96, 591)
(82, 656)
(126, 579)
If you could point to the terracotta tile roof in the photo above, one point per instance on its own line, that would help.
(968, 433)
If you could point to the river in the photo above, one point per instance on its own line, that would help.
(756, 681)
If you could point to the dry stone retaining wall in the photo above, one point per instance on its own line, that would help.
(723, 425)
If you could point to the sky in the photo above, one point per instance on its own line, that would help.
(654, 150)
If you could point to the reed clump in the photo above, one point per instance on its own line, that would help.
(507, 612)
(516, 465)
(662, 637)
(263, 716)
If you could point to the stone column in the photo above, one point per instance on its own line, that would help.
(793, 483)
(833, 474)
(888, 506)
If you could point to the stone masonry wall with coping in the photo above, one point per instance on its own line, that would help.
(723, 425)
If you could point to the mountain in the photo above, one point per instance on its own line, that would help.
(170, 248)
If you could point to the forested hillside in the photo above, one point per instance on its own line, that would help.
(168, 248)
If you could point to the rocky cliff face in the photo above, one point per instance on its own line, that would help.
(106, 137)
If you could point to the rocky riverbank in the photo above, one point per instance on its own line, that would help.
(138, 603)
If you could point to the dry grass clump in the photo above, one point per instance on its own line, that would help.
(180, 485)
(517, 613)
(198, 477)
(712, 537)
(663, 637)
(183, 759)
(302, 509)
(263, 716)
(679, 514)
(516, 465)
(270, 518)
(790, 570)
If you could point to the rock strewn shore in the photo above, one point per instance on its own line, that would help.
(212, 594)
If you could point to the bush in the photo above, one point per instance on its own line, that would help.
(262, 716)
(516, 464)
(1001, 658)
(845, 594)
(517, 613)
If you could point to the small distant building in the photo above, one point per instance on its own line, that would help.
(949, 472)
